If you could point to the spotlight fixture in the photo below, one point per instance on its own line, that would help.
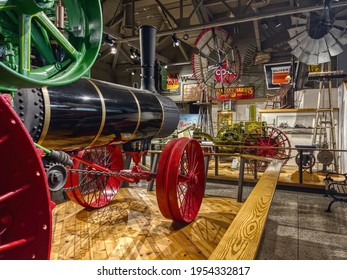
(113, 50)
(133, 72)
(175, 41)
(107, 40)
(134, 54)
(185, 36)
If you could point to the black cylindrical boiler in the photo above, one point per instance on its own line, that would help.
(94, 113)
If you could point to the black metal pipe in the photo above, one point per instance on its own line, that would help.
(147, 49)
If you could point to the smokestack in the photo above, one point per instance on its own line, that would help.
(147, 48)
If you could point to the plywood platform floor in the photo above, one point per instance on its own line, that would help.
(225, 172)
(131, 227)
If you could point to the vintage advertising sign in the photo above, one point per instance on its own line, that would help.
(276, 74)
(172, 81)
(235, 93)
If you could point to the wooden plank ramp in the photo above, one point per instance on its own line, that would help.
(242, 239)
(132, 227)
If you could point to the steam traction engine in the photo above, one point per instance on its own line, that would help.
(59, 130)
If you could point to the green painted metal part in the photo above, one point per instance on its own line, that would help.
(34, 52)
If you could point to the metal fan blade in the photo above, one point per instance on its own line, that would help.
(304, 58)
(339, 35)
(312, 59)
(323, 57)
(340, 23)
(306, 52)
(298, 20)
(300, 48)
(333, 47)
(341, 13)
(322, 45)
(296, 40)
(296, 30)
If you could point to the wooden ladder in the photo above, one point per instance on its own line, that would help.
(324, 128)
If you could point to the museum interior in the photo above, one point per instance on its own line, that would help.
(173, 130)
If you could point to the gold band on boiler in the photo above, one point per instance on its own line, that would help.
(138, 118)
(162, 119)
(103, 112)
(47, 112)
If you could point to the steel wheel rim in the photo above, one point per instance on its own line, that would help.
(268, 136)
(25, 206)
(186, 180)
(96, 191)
(161, 185)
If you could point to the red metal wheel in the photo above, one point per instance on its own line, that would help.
(95, 191)
(25, 207)
(271, 142)
(161, 185)
(183, 187)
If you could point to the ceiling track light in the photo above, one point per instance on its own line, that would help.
(175, 41)
(113, 50)
(134, 54)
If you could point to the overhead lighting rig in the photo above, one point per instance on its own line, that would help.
(175, 41)
(134, 54)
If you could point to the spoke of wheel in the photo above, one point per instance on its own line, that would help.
(278, 143)
(11, 15)
(24, 44)
(57, 35)
(41, 42)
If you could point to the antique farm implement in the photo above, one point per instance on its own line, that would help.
(59, 129)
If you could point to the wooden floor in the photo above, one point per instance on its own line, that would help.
(131, 227)
(225, 172)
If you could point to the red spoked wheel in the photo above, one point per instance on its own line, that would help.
(25, 208)
(181, 180)
(269, 142)
(90, 189)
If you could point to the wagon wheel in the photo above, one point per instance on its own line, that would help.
(181, 180)
(93, 190)
(308, 163)
(45, 43)
(271, 142)
(25, 212)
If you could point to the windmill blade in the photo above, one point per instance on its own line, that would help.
(340, 23)
(323, 57)
(341, 13)
(339, 35)
(333, 47)
(312, 59)
(298, 20)
(314, 50)
(298, 39)
(296, 31)
(300, 47)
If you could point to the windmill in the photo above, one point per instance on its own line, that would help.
(316, 37)
(215, 64)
